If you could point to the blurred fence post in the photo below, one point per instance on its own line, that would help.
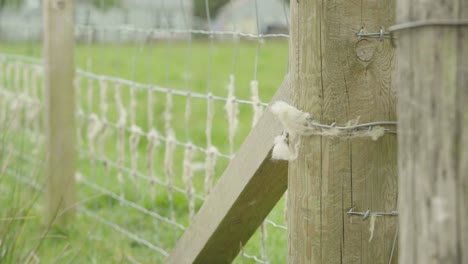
(432, 55)
(338, 77)
(59, 109)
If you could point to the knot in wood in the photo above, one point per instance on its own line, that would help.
(365, 50)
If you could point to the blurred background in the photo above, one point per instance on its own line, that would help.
(166, 92)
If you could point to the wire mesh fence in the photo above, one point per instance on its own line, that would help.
(163, 102)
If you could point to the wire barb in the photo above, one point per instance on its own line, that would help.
(362, 34)
(365, 215)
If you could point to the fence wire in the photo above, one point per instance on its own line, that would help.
(161, 110)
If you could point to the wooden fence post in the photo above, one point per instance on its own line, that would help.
(338, 77)
(59, 109)
(433, 136)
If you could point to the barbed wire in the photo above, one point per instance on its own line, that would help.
(128, 135)
(155, 31)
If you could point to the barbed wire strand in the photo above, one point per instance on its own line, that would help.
(155, 32)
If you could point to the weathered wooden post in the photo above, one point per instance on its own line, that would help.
(432, 55)
(337, 77)
(59, 109)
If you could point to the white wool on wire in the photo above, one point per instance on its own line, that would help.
(257, 105)
(210, 161)
(281, 149)
(94, 127)
(122, 121)
(153, 142)
(232, 112)
(297, 122)
(372, 226)
(168, 168)
(105, 132)
(120, 138)
(103, 99)
(210, 164)
(209, 118)
(188, 178)
(294, 120)
(377, 132)
(134, 140)
(104, 107)
(169, 157)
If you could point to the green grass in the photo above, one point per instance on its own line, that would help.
(87, 241)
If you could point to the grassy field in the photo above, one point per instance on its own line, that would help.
(164, 64)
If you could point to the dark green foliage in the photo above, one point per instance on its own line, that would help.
(199, 7)
(11, 3)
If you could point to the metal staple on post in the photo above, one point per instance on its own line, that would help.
(368, 213)
(381, 34)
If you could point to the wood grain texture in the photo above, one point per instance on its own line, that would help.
(247, 191)
(59, 109)
(433, 145)
(337, 78)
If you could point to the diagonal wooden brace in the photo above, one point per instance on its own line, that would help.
(248, 190)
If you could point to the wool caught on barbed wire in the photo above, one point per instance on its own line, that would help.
(104, 106)
(297, 123)
(232, 113)
(168, 169)
(94, 127)
(281, 149)
(188, 178)
(294, 120)
(257, 105)
(372, 226)
(301, 123)
(153, 143)
(210, 164)
(209, 119)
(122, 121)
(134, 140)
